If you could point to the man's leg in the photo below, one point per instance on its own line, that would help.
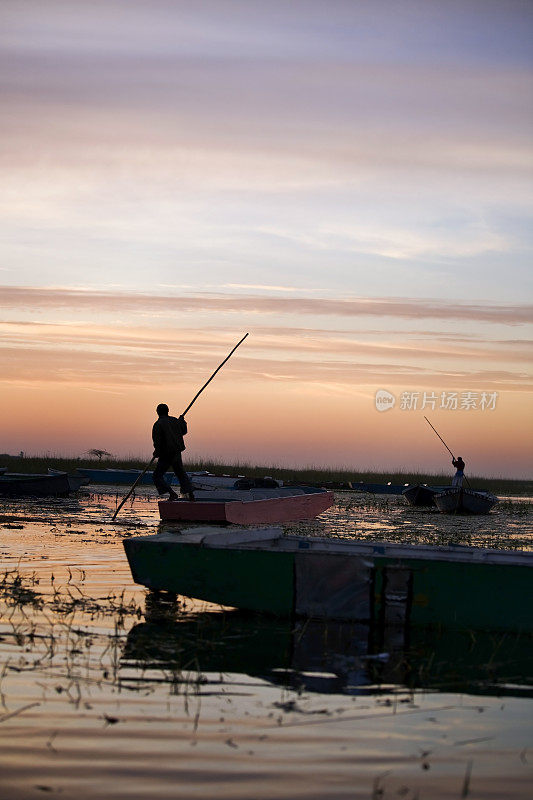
(181, 475)
(161, 485)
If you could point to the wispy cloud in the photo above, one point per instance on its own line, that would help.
(284, 342)
(36, 298)
(263, 287)
(107, 356)
(146, 368)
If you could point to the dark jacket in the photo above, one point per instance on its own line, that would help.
(459, 464)
(167, 436)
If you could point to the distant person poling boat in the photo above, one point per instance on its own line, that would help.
(458, 463)
(458, 500)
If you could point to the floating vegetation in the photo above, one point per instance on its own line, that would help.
(520, 508)
(390, 519)
(17, 591)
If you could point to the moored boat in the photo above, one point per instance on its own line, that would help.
(75, 482)
(120, 477)
(378, 488)
(14, 484)
(249, 506)
(262, 570)
(389, 488)
(422, 495)
(200, 480)
(465, 501)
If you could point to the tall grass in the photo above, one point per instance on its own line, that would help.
(312, 475)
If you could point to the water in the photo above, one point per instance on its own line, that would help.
(389, 518)
(106, 692)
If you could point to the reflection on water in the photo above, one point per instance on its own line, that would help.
(107, 692)
(330, 657)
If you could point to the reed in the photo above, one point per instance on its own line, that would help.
(310, 474)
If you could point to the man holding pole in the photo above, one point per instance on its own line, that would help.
(167, 436)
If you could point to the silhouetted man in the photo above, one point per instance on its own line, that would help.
(167, 436)
(459, 465)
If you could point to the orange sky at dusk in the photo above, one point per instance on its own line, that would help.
(298, 395)
(349, 182)
(269, 422)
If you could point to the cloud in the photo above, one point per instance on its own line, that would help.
(475, 31)
(132, 354)
(306, 343)
(147, 368)
(262, 287)
(38, 299)
(195, 137)
(338, 147)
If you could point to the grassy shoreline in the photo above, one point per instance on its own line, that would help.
(338, 477)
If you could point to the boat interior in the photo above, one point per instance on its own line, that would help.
(275, 539)
(231, 495)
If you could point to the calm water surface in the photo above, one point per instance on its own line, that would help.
(106, 692)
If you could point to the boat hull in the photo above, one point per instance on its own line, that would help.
(465, 501)
(378, 488)
(420, 495)
(128, 476)
(75, 482)
(390, 488)
(354, 581)
(285, 508)
(34, 485)
(119, 477)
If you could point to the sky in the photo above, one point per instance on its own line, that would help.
(348, 182)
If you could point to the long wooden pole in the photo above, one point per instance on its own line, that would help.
(197, 395)
(440, 437)
(132, 487)
(193, 401)
(446, 446)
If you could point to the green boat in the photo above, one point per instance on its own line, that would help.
(264, 571)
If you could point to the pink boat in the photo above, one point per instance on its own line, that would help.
(249, 507)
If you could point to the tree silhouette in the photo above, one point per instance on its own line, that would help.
(99, 454)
